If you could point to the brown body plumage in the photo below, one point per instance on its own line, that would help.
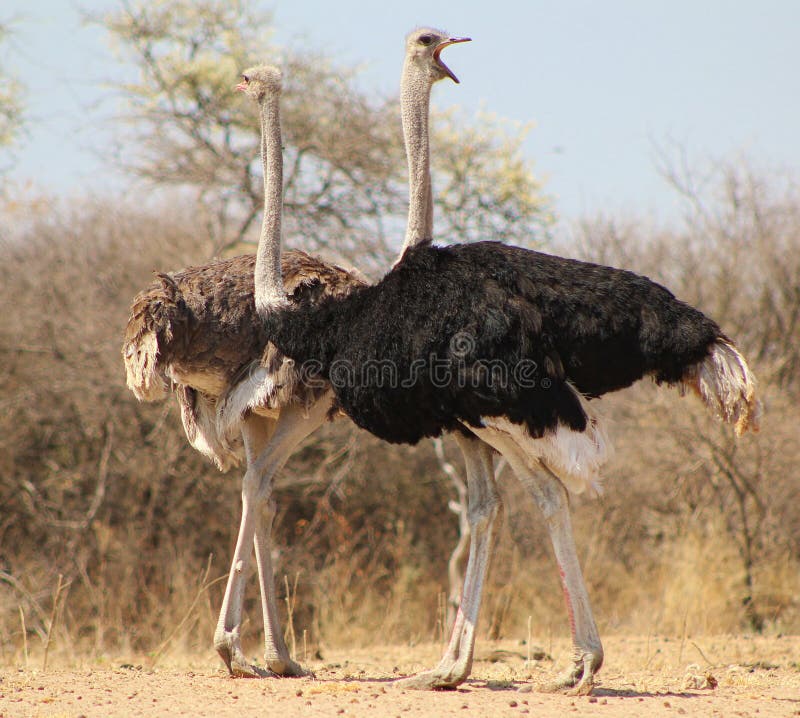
(196, 332)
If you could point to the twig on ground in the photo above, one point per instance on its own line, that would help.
(24, 634)
(53, 617)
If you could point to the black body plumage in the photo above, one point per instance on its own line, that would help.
(485, 329)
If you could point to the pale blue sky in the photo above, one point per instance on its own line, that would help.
(603, 82)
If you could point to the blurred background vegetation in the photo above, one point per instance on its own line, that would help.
(112, 528)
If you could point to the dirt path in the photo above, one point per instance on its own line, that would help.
(642, 677)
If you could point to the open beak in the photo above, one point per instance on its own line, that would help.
(437, 52)
(242, 86)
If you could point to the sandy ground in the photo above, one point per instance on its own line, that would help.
(720, 676)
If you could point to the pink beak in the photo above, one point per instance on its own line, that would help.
(441, 46)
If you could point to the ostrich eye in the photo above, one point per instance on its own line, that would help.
(426, 39)
(245, 79)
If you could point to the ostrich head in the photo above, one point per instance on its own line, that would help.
(259, 81)
(424, 46)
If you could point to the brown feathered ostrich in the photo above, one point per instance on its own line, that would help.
(198, 332)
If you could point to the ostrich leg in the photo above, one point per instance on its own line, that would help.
(587, 658)
(265, 456)
(227, 637)
(550, 496)
(276, 654)
(484, 513)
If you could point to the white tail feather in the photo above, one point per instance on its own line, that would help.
(727, 386)
(141, 369)
(575, 457)
(199, 417)
(254, 391)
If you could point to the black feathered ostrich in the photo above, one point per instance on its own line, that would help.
(423, 66)
(508, 343)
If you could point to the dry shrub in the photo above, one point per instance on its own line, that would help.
(695, 532)
(736, 258)
(89, 476)
(106, 491)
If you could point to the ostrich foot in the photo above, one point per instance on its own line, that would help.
(238, 665)
(286, 668)
(584, 687)
(443, 677)
(229, 647)
(577, 679)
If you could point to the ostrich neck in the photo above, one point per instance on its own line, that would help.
(269, 291)
(415, 96)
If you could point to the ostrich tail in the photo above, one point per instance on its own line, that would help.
(144, 376)
(727, 386)
(148, 333)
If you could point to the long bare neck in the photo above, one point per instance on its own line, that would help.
(415, 98)
(269, 291)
